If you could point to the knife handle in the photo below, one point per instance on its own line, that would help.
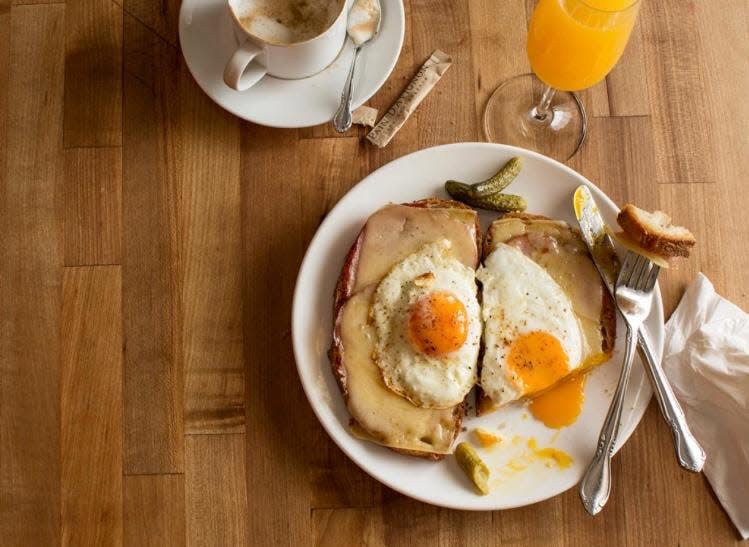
(688, 449)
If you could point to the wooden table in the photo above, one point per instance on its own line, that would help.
(149, 244)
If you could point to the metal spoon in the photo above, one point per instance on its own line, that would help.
(360, 35)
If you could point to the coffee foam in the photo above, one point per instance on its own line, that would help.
(286, 21)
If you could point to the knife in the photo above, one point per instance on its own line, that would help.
(593, 228)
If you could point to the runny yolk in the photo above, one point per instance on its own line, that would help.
(538, 359)
(438, 323)
(561, 405)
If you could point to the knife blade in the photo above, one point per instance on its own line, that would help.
(601, 248)
(594, 234)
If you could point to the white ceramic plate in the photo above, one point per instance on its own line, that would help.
(548, 186)
(207, 39)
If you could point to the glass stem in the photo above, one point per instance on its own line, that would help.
(543, 108)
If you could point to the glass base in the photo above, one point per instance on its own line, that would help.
(511, 117)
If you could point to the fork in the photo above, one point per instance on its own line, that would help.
(634, 296)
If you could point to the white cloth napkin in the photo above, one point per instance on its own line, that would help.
(706, 359)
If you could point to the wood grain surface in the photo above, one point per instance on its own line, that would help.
(91, 425)
(149, 244)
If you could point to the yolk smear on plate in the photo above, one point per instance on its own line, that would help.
(561, 405)
(552, 456)
(516, 465)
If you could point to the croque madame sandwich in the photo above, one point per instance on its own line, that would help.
(407, 326)
(545, 310)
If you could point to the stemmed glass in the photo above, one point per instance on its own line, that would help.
(572, 45)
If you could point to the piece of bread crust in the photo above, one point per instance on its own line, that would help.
(342, 293)
(654, 232)
(484, 404)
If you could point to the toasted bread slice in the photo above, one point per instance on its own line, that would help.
(544, 240)
(390, 235)
(654, 232)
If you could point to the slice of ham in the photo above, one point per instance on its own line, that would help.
(534, 242)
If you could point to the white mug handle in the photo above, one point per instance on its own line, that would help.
(241, 72)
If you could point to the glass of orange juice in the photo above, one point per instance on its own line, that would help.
(572, 45)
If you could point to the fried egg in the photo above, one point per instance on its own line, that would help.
(428, 327)
(532, 337)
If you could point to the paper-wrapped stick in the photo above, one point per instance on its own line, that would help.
(426, 78)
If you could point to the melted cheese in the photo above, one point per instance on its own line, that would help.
(385, 416)
(390, 235)
(631, 245)
(396, 231)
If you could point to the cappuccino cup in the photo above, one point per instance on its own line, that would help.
(288, 39)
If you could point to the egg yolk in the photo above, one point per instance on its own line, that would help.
(438, 323)
(486, 439)
(538, 359)
(561, 405)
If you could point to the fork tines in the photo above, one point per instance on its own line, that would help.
(638, 272)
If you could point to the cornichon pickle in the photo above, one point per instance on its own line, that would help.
(473, 467)
(457, 190)
(498, 182)
(504, 203)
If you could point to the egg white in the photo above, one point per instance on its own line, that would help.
(520, 297)
(427, 381)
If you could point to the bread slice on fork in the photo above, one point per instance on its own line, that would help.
(655, 233)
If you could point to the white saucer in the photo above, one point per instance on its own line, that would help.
(207, 39)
